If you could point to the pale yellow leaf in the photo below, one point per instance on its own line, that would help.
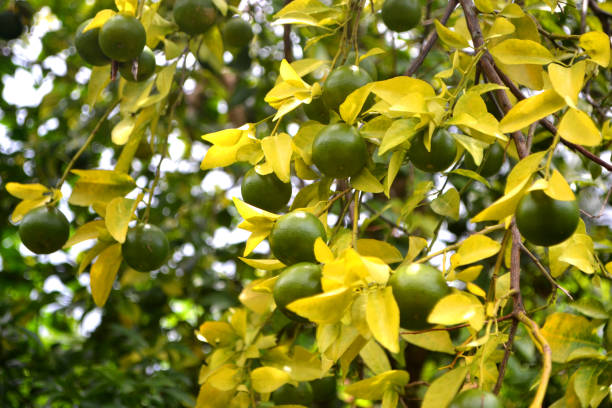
(380, 249)
(127, 6)
(259, 301)
(25, 206)
(119, 213)
(577, 127)
(352, 105)
(264, 264)
(375, 358)
(468, 274)
(517, 52)
(86, 231)
(122, 131)
(268, 379)
(322, 252)
(443, 389)
(475, 248)
(531, 110)
(597, 45)
(558, 188)
(484, 6)
(366, 182)
(501, 26)
(100, 18)
(103, 273)
(99, 186)
(277, 150)
(449, 37)
(456, 308)
(567, 82)
(33, 191)
(382, 315)
(328, 307)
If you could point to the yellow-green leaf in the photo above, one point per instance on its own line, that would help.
(328, 307)
(99, 78)
(366, 182)
(473, 175)
(32, 191)
(531, 110)
(127, 6)
(447, 204)
(379, 249)
(577, 127)
(103, 273)
(484, 6)
(456, 308)
(217, 334)
(25, 206)
(518, 52)
(226, 144)
(122, 131)
(382, 315)
(558, 188)
(597, 45)
(444, 388)
(566, 333)
(475, 248)
(99, 185)
(100, 18)
(119, 213)
(350, 108)
(501, 26)
(86, 231)
(468, 274)
(373, 388)
(567, 82)
(277, 150)
(400, 131)
(397, 158)
(256, 300)
(265, 264)
(439, 341)
(449, 37)
(268, 379)
(375, 357)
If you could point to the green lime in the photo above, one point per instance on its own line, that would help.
(145, 248)
(417, 288)
(44, 230)
(476, 398)
(290, 395)
(194, 16)
(442, 154)
(324, 389)
(237, 33)
(339, 151)
(146, 67)
(122, 38)
(368, 64)
(493, 160)
(293, 236)
(341, 83)
(401, 15)
(88, 47)
(266, 192)
(316, 110)
(544, 221)
(295, 282)
(11, 26)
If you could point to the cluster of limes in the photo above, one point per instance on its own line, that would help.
(45, 230)
(14, 19)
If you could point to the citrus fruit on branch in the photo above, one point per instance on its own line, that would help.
(122, 38)
(544, 221)
(145, 248)
(339, 151)
(417, 288)
(293, 236)
(493, 159)
(442, 153)
(146, 67)
(88, 46)
(11, 26)
(237, 33)
(265, 191)
(194, 16)
(476, 398)
(401, 15)
(341, 82)
(44, 230)
(295, 282)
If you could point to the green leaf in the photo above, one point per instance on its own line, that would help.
(103, 273)
(382, 315)
(119, 213)
(439, 341)
(397, 158)
(447, 204)
(99, 185)
(442, 391)
(473, 175)
(518, 52)
(566, 333)
(531, 110)
(98, 80)
(590, 307)
(585, 383)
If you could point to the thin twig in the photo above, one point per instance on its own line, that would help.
(545, 271)
(507, 352)
(90, 138)
(601, 210)
(287, 43)
(515, 270)
(378, 214)
(430, 40)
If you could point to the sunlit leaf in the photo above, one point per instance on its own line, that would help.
(277, 150)
(531, 110)
(577, 127)
(447, 204)
(380, 249)
(444, 388)
(475, 248)
(383, 318)
(268, 379)
(99, 185)
(103, 273)
(567, 82)
(566, 333)
(516, 52)
(119, 213)
(597, 45)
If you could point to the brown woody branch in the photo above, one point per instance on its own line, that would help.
(430, 41)
(287, 43)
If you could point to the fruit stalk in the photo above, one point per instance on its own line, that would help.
(90, 138)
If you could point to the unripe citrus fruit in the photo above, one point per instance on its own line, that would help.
(146, 67)
(476, 398)
(401, 15)
(544, 221)
(266, 192)
(44, 230)
(293, 236)
(194, 16)
(11, 26)
(88, 47)
(341, 83)
(290, 395)
(316, 110)
(295, 282)
(368, 64)
(442, 154)
(339, 151)
(493, 161)
(237, 33)
(324, 389)
(145, 248)
(417, 288)
(122, 38)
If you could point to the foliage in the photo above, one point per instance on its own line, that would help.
(521, 320)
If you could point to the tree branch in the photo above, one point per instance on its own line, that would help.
(430, 41)
(507, 352)
(541, 267)
(287, 43)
